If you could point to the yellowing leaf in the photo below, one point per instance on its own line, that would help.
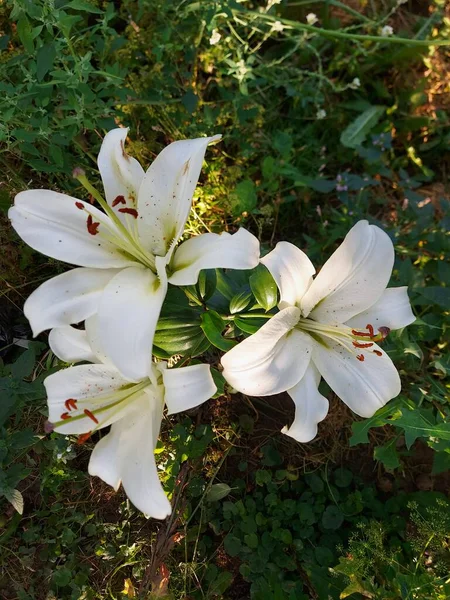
(128, 589)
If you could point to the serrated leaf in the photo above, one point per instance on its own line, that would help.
(355, 134)
(387, 455)
(264, 287)
(44, 62)
(415, 424)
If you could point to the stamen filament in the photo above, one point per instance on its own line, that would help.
(138, 252)
(117, 398)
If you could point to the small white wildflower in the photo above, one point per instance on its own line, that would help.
(321, 114)
(311, 19)
(386, 31)
(355, 84)
(272, 3)
(277, 26)
(215, 37)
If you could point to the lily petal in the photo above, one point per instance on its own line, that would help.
(121, 174)
(310, 406)
(126, 455)
(128, 312)
(272, 360)
(70, 345)
(53, 223)
(292, 271)
(187, 387)
(213, 251)
(165, 195)
(392, 310)
(364, 386)
(91, 386)
(353, 278)
(67, 298)
(94, 339)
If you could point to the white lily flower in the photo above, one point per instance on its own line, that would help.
(326, 327)
(85, 398)
(128, 253)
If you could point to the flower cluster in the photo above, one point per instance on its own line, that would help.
(126, 256)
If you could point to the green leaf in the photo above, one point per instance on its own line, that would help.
(332, 518)
(84, 6)
(251, 539)
(232, 545)
(263, 477)
(437, 295)
(240, 301)
(220, 584)
(343, 477)
(388, 455)
(415, 424)
(207, 282)
(441, 462)
(62, 576)
(24, 365)
(355, 134)
(189, 101)
(243, 197)
(264, 287)
(218, 491)
(25, 33)
(219, 380)
(361, 428)
(249, 325)
(44, 60)
(212, 326)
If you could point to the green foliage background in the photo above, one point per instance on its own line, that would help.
(323, 125)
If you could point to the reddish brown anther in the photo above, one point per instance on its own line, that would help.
(65, 416)
(92, 227)
(129, 211)
(119, 200)
(360, 357)
(377, 352)
(359, 345)
(70, 404)
(83, 438)
(91, 415)
(79, 205)
(370, 328)
(360, 333)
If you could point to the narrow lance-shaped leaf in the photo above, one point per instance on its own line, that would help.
(207, 283)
